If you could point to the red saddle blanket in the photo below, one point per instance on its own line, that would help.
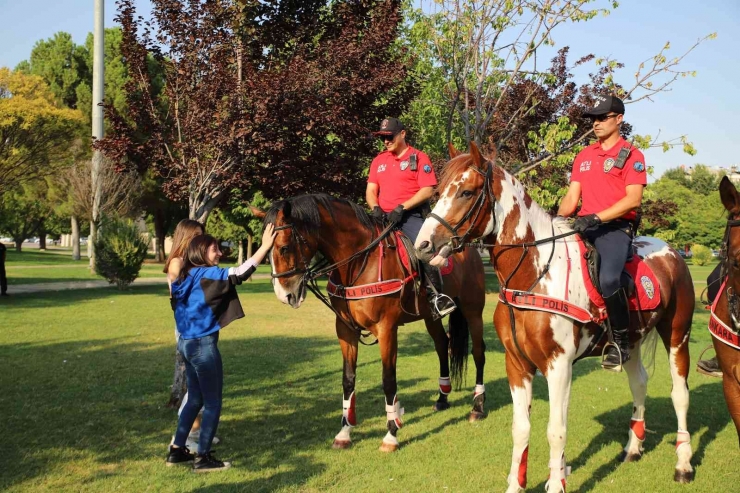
(647, 288)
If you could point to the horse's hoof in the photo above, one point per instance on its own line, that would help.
(631, 457)
(388, 447)
(341, 444)
(441, 406)
(476, 416)
(683, 476)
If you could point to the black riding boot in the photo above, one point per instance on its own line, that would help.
(440, 303)
(619, 320)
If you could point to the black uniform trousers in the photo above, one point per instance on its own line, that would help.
(613, 241)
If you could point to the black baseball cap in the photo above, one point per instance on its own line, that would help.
(390, 126)
(606, 104)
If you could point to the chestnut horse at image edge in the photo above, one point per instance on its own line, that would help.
(724, 320)
(537, 256)
(361, 257)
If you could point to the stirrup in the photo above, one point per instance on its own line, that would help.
(451, 306)
(617, 368)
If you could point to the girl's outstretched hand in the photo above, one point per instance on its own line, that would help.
(268, 236)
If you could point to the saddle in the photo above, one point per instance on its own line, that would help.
(642, 295)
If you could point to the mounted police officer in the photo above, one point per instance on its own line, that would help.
(608, 179)
(399, 187)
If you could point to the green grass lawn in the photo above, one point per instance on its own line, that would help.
(33, 266)
(86, 375)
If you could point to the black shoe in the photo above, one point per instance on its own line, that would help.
(612, 360)
(709, 367)
(208, 463)
(179, 456)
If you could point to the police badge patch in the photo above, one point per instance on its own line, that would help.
(608, 165)
(404, 165)
(638, 166)
(427, 168)
(647, 285)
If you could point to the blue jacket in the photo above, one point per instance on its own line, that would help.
(205, 302)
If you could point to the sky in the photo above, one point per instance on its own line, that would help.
(703, 107)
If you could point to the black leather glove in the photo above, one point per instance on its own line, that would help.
(378, 213)
(395, 216)
(582, 223)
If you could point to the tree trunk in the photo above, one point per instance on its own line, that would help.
(42, 236)
(240, 259)
(90, 246)
(159, 234)
(75, 238)
(250, 240)
(18, 244)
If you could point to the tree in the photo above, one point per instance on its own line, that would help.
(21, 213)
(36, 136)
(230, 69)
(702, 181)
(62, 64)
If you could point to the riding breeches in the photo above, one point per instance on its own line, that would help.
(613, 241)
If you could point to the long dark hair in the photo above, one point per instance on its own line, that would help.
(186, 230)
(197, 254)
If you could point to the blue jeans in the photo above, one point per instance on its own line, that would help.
(205, 388)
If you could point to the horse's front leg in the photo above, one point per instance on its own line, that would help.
(559, 377)
(388, 341)
(441, 346)
(520, 376)
(638, 379)
(348, 339)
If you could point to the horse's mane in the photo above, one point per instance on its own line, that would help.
(304, 210)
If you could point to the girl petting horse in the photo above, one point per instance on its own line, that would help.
(547, 318)
(371, 290)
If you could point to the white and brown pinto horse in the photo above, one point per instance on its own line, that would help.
(478, 199)
(724, 323)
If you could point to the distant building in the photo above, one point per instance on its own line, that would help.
(732, 172)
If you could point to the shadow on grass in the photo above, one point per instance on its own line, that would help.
(661, 427)
(47, 299)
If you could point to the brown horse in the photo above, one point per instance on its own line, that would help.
(532, 255)
(372, 292)
(726, 306)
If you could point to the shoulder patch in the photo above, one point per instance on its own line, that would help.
(638, 166)
(427, 168)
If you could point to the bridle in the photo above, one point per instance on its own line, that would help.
(732, 297)
(301, 241)
(457, 242)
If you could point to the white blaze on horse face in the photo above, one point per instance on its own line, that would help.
(441, 209)
(290, 295)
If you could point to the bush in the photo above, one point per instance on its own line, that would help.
(119, 252)
(701, 255)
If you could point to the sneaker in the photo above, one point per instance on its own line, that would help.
(179, 456)
(709, 367)
(208, 463)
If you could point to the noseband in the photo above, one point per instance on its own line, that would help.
(457, 242)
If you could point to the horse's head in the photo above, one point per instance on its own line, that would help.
(464, 209)
(731, 246)
(291, 254)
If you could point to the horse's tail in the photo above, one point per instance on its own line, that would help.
(648, 346)
(459, 335)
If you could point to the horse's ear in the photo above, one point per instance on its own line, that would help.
(478, 158)
(258, 213)
(453, 152)
(730, 197)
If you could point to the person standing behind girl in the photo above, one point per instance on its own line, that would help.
(186, 230)
(205, 301)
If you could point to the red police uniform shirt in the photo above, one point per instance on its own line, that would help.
(603, 184)
(396, 182)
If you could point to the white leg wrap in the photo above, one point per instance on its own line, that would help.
(389, 438)
(445, 386)
(344, 434)
(479, 389)
(349, 417)
(394, 412)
